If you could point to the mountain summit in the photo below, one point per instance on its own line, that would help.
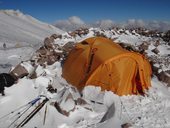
(18, 27)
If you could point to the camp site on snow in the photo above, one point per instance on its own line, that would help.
(91, 75)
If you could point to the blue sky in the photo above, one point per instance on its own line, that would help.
(92, 10)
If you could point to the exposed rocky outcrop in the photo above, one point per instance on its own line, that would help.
(166, 37)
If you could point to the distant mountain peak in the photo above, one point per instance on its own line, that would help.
(16, 26)
(12, 12)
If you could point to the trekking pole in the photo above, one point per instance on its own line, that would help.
(32, 113)
(25, 110)
(31, 102)
(27, 117)
(19, 117)
(45, 114)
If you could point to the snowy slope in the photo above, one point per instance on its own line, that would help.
(16, 27)
(22, 33)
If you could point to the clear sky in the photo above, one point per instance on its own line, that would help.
(92, 10)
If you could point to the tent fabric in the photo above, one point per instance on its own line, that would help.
(100, 62)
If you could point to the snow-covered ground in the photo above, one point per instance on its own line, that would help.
(22, 33)
(101, 110)
(149, 111)
(17, 27)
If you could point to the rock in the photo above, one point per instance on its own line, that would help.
(67, 103)
(52, 39)
(79, 32)
(126, 125)
(80, 101)
(52, 59)
(68, 46)
(144, 46)
(157, 43)
(48, 42)
(33, 76)
(60, 110)
(166, 37)
(42, 51)
(109, 114)
(165, 77)
(54, 36)
(99, 34)
(19, 71)
(73, 34)
(128, 47)
(51, 89)
(42, 60)
(156, 51)
(154, 69)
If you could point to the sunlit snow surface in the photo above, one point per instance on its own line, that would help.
(149, 111)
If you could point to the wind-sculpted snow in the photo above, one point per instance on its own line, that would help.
(67, 108)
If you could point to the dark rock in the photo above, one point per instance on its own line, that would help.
(48, 42)
(80, 101)
(19, 71)
(156, 51)
(157, 43)
(52, 39)
(155, 69)
(68, 46)
(126, 125)
(128, 47)
(144, 46)
(33, 76)
(165, 77)
(42, 51)
(99, 34)
(60, 110)
(55, 36)
(166, 37)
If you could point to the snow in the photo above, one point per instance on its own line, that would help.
(164, 49)
(151, 110)
(17, 28)
(14, 56)
(104, 109)
(21, 31)
(28, 67)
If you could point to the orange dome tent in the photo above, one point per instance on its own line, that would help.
(100, 62)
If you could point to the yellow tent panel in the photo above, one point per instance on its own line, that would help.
(100, 62)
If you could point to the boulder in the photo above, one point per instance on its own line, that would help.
(52, 39)
(166, 37)
(154, 69)
(42, 51)
(73, 34)
(80, 101)
(157, 43)
(126, 125)
(165, 77)
(128, 47)
(60, 110)
(52, 59)
(54, 36)
(144, 46)
(48, 43)
(156, 51)
(42, 60)
(68, 46)
(19, 71)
